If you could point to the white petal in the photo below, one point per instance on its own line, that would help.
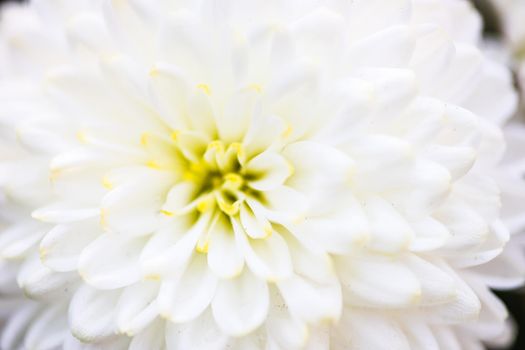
(40, 135)
(201, 111)
(48, 329)
(319, 339)
(318, 164)
(15, 328)
(437, 286)
(467, 226)
(88, 96)
(496, 89)
(430, 234)
(64, 213)
(505, 271)
(171, 90)
(111, 262)
(225, 257)
(309, 263)
(254, 222)
(87, 30)
(273, 168)
(61, 247)
(389, 230)
(387, 99)
(286, 331)
(320, 34)
(431, 184)
(123, 74)
(184, 299)
(91, 314)
(159, 259)
(464, 307)
(267, 258)
(458, 160)
(379, 282)
(18, 239)
(392, 47)
(420, 335)
(264, 131)
(288, 334)
(283, 204)
(130, 24)
(237, 115)
(38, 281)
(179, 199)
(137, 307)
(336, 232)
(493, 315)
(112, 342)
(392, 13)
(200, 334)
(313, 293)
(446, 338)
(241, 304)
(152, 338)
(134, 208)
(360, 330)
(312, 301)
(183, 43)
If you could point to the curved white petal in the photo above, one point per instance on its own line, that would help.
(161, 259)
(225, 258)
(268, 258)
(91, 314)
(272, 170)
(38, 281)
(152, 338)
(241, 304)
(200, 334)
(137, 307)
(134, 209)
(381, 282)
(184, 299)
(61, 247)
(120, 267)
(18, 239)
(48, 329)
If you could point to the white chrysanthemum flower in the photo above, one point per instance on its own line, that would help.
(256, 174)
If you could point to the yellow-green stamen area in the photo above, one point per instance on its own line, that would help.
(213, 181)
(221, 173)
(216, 171)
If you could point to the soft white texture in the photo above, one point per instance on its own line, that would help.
(256, 174)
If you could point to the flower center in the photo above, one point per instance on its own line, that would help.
(217, 183)
(211, 175)
(220, 178)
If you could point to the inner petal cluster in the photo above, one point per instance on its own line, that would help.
(218, 181)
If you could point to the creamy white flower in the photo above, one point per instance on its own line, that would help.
(257, 174)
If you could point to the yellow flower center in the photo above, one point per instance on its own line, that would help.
(216, 171)
(221, 178)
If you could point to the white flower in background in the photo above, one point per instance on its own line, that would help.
(254, 174)
(511, 14)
